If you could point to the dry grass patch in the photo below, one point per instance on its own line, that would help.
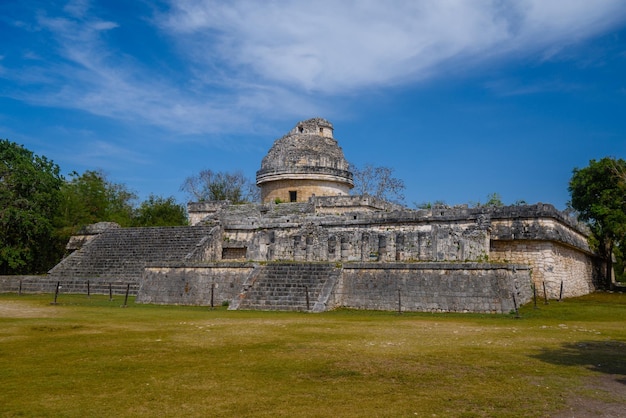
(21, 309)
(88, 357)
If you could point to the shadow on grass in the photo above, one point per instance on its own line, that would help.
(607, 356)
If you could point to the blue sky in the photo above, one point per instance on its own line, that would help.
(461, 98)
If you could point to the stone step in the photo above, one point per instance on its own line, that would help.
(123, 253)
(285, 286)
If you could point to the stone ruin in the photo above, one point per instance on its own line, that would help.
(311, 246)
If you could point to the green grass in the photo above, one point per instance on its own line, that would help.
(89, 357)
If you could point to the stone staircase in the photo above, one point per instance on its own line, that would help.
(288, 287)
(123, 253)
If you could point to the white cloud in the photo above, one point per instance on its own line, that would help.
(77, 8)
(100, 151)
(92, 76)
(336, 46)
(245, 59)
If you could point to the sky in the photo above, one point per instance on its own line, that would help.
(462, 99)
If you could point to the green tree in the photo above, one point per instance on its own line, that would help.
(212, 186)
(598, 193)
(159, 211)
(494, 200)
(378, 182)
(89, 198)
(29, 198)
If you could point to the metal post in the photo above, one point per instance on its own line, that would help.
(399, 302)
(126, 297)
(110, 292)
(56, 293)
(212, 290)
(535, 295)
(88, 290)
(19, 293)
(306, 289)
(545, 294)
(515, 305)
(561, 292)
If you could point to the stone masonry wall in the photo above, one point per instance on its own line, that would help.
(304, 233)
(304, 189)
(47, 284)
(435, 255)
(555, 229)
(434, 287)
(455, 241)
(349, 204)
(428, 287)
(551, 263)
(193, 284)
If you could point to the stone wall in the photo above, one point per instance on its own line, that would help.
(198, 211)
(334, 205)
(553, 228)
(311, 242)
(304, 189)
(426, 287)
(362, 230)
(47, 284)
(434, 287)
(552, 244)
(429, 287)
(355, 237)
(435, 257)
(193, 284)
(551, 263)
(26, 284)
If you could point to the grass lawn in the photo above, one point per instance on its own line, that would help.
(89, 357)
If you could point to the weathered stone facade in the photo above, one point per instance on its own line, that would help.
(316, 287)
(326, 249)
(364, 229)
(306, 162)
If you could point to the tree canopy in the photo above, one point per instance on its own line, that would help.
(160, 211)
(29, 196)
(208, 185)
(90, 197)
(378, 181)
(598, 194)
(40, 210)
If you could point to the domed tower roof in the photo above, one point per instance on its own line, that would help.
(306, 156)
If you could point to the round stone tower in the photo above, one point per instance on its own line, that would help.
(305, 162)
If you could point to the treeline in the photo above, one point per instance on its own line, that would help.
(40, 209)
(598, 194)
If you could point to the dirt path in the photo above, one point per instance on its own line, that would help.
(17, 309)
(610, 388)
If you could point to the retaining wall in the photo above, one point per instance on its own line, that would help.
(47, 284)
(193, 285)
(434, 287)
(552, 264)
(429, 287)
